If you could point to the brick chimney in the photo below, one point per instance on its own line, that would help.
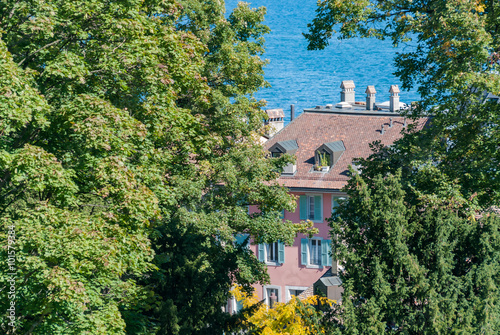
(370, 97)
(347, 94)
(394, 102)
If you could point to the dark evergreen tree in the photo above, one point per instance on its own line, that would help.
(416, 262)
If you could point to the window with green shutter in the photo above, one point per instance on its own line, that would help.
(315, 252)
(271, 253)
(311, 207)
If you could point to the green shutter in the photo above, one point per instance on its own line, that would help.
(261, 254)
(241, 238)
(326, 259)
(318, 215)
(303, 251)
(281, 252)
(303, 207)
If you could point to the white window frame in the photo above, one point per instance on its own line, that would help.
(338, 197)
(274, 287)
(288, 288)
(309, 251)
(268, 246)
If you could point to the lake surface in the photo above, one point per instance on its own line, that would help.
(310, 78)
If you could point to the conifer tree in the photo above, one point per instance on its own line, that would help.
(418, 235)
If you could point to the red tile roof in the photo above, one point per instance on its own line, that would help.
(356, 130)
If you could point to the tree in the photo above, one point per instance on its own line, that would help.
(453, 61)
(416, 262)
(454, 44)
(127, 159)
(418, 234)
(297, 317)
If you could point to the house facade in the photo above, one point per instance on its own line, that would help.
(325, 140)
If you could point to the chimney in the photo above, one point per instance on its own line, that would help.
(275, 121)
(347, 94)
(390, 122)
(370, 97)
(292, 112)
(394, 102)
(382, 131)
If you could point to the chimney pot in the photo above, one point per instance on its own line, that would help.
(370, 97)
(394, 100)
(347, 94)
(382, 131)
(292, 112)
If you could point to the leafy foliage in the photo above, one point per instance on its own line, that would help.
(418, 235)
(127, 157)
(297, 317)
(452, 45)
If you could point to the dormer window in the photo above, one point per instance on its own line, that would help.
(276, 154)
(323, 160)
(285, 147)
(327, 155)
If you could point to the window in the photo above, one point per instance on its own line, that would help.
(311, 207)
(315, 252)
(272, 295)
(276, 154)
(335, 202)
(233, 306)
(272, 253)
(294, 291)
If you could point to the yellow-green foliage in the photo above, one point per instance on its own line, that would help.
(295, 317)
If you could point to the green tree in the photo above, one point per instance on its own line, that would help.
(452, 58)
(453, 44)
(416, 262)
(127, 157)
(418, 235)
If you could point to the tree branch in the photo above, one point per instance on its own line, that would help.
(37, 51)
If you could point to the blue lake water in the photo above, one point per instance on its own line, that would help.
(310, 78)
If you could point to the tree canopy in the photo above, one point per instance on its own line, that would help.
(418, 236)
(416, 261)
(308, 316)
(128, 156)
(451, 45)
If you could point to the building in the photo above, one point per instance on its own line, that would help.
(325, 140)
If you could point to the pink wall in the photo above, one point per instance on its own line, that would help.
(292, 272)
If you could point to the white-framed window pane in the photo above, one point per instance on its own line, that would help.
(315, 249)
(272, 252)
(272, 296)
(311, 208)
(295, 293)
